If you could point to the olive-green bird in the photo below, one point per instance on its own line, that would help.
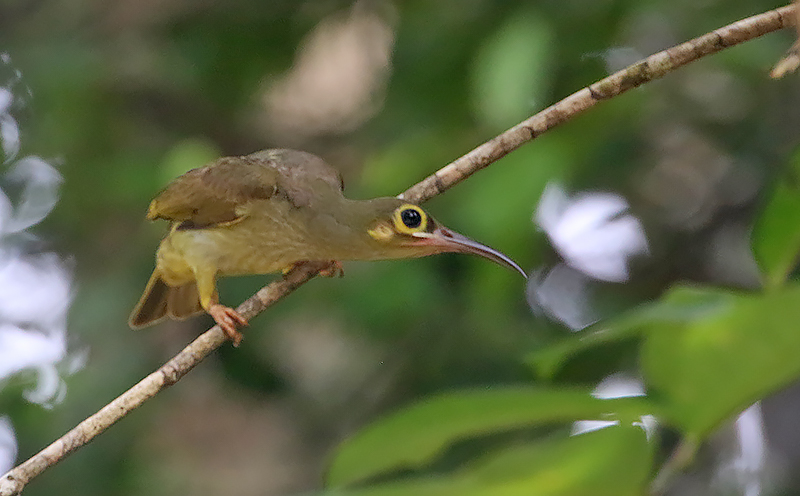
(267, 212)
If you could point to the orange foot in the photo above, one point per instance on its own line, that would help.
(227, 318)
(334, 269)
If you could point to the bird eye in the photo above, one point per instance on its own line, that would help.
(410, 219)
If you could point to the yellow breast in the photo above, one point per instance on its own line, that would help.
(259, 244)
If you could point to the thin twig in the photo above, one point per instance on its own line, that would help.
(791, 60)
(680, 458)
(651, 68)
(168, 374)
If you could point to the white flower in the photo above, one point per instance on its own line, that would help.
(8, 445)
(40, 182)
(34, 287)
(564, 294)
(617, 386)
(593, 232)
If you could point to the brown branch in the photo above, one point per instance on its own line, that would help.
(791, 60)
(168, 374)
(651, 68)
(789, 63)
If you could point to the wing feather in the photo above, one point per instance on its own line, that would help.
(220, 192)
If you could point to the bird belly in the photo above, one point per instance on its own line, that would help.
(172, 266)
(247, 247)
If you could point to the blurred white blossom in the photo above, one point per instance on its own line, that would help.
(745, 471)
(40, 182)
(30, 283)
(35, 289)
(593, 232)
(617, 386)
(563, 294)
(8, 445)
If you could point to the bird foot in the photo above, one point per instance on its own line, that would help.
(333, 270)
(227, 318)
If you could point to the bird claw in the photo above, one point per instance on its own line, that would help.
(334, 269)
(227, 319)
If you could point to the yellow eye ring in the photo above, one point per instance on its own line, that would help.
(410, 219)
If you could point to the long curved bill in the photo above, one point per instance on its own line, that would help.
(446, 240)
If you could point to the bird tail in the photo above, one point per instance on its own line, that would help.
(161, 300)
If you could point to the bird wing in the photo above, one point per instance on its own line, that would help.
(221, 192)
(299, 171)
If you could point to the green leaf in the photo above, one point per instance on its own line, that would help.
(615, 461)
(512, 69)
(712, 366)
(776, 236)
(680, 304)
(185, 155)
(414, 436)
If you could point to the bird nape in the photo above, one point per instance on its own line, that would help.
(267, 212)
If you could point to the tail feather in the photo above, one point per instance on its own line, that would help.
(184, 301)
(161, 300)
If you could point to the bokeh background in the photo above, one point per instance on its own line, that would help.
(120, 96)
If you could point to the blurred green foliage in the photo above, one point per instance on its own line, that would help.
(612, 461)
(417, 435)
(128, 94)
(777, 232)
(705, 355)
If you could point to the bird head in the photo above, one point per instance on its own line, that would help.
(399, 229)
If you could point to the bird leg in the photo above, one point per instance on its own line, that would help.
(227, 318)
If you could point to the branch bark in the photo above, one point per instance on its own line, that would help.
(791, 61)
(653, 67)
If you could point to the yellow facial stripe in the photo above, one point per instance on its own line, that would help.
(381, 232)
(410, 219)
